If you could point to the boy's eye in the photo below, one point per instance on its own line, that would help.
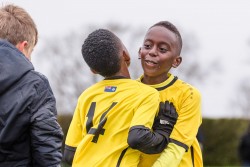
(163, 50)
(146, 46)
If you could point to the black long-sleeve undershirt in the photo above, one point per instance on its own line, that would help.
(146, 141)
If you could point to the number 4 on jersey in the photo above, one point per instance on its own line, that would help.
(89, 125)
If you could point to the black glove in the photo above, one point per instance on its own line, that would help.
(166, 119)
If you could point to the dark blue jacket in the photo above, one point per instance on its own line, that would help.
(29, 132)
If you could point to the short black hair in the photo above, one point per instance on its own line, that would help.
(168, 25)
(101, 50)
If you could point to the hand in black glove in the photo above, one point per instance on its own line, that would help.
(166, 119)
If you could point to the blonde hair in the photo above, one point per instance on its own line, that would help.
(16, 25)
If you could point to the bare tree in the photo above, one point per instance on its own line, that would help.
(67, 72)
(191, 69)
(240, 100)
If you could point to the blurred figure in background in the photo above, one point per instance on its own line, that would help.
(244, 148)
(29, 132)
(200, 138)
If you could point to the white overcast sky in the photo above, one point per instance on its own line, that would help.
(221, 26)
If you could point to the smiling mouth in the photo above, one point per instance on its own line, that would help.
(151, 62)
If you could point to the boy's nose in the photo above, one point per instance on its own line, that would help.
(153, 51)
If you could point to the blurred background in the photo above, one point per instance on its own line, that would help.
(216, 37)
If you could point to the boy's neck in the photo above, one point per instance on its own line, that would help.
(115, 77)
(149, 80)
(119, 74)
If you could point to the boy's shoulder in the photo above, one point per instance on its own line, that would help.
(186, 87)
(38, 77)
(123, 84)
(184, 84)
(36, 80)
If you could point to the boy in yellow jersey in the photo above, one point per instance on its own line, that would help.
(160, 52)
(112, 121)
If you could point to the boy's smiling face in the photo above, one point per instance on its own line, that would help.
(159, 52)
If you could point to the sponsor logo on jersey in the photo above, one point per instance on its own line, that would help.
(110, 89)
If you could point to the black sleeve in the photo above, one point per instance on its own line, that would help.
(146, 141)
(46, 133)
(68, 155)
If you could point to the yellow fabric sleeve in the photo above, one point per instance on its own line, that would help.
(170, 157)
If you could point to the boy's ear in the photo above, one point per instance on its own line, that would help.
(177, 62)
(93, 71)
(139, 53)
(126, 57)
(21, 46)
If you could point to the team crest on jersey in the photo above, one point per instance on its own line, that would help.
(110, 89)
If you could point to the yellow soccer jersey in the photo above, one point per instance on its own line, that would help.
(102, 118)
(187, 101)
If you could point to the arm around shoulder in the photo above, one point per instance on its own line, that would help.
(146, 141)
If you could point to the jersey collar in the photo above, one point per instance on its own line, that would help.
(170, 81)
(116, 77)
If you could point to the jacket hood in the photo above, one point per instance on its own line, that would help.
(13, 65)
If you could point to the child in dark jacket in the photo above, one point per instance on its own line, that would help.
(29, 132)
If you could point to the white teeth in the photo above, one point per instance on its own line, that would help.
(150, 62)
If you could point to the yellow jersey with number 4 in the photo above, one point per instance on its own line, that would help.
(102, 118)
